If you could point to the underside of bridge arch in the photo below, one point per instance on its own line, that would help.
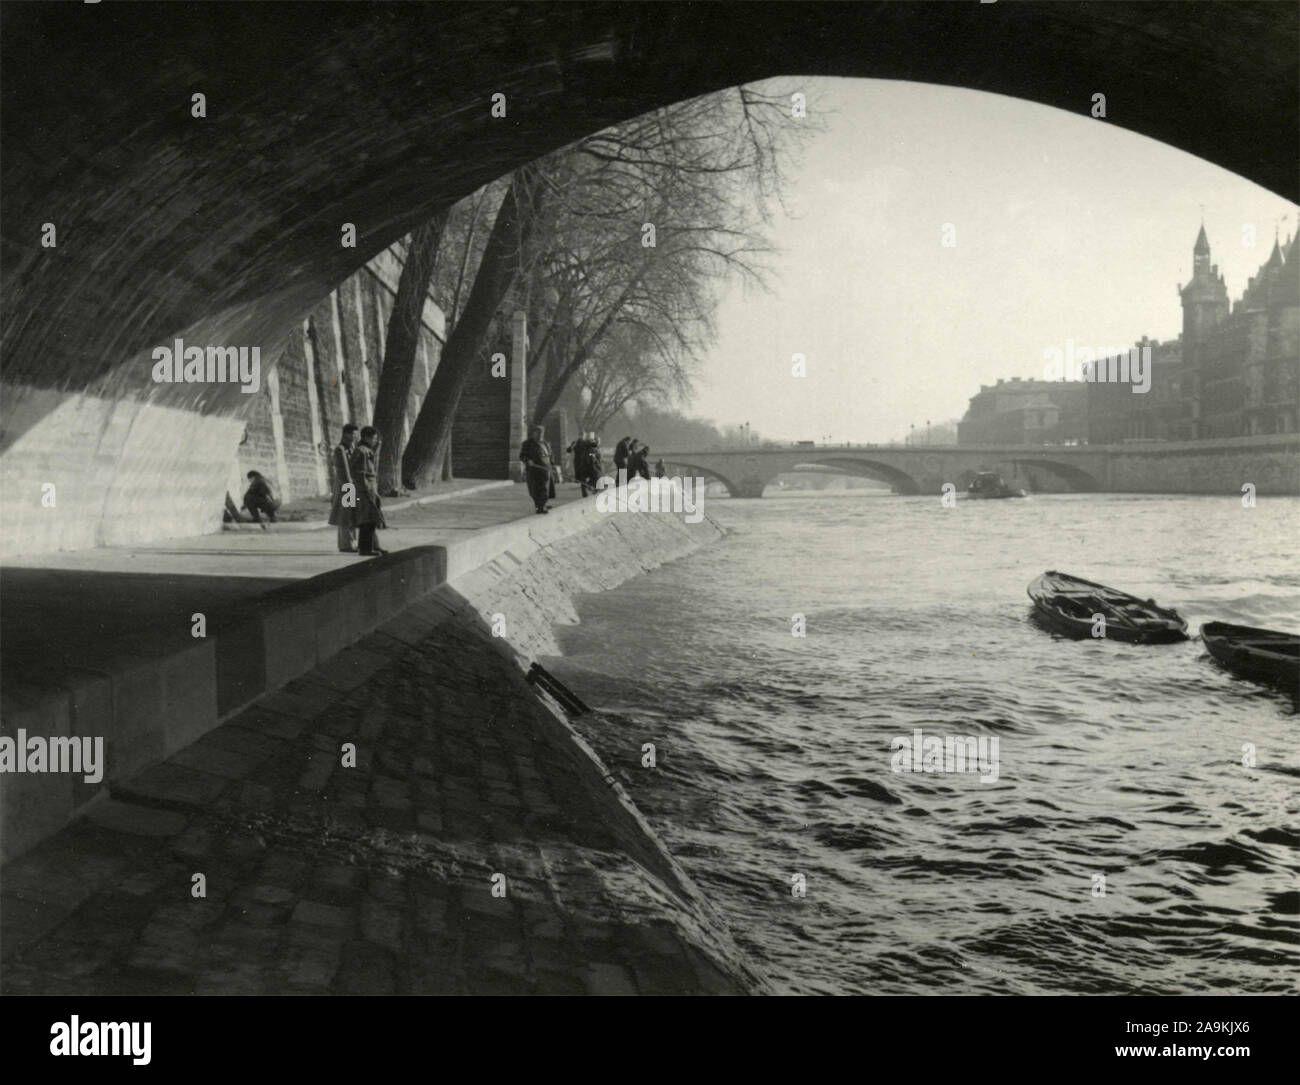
(226, 229)
(734, 488)
(827, 470)
(1076, 478)
(901, 481)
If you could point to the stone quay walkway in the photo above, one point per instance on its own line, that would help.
(407, 817)
(78, 609)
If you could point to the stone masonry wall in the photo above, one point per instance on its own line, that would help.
(328, 374)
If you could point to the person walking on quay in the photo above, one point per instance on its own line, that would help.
(260, 497)
(535, 455)
(343, 509)
(363, 462)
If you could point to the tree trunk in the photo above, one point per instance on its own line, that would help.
(554, 387)
(431, 435)
(401, 344)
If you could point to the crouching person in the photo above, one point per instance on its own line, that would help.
(260, 498)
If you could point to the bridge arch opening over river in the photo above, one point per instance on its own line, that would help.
(1075, 477)
(900, 480)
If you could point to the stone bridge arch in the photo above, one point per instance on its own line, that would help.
(229, 226)
(734, 483)
(866, 467)
(1078, 477)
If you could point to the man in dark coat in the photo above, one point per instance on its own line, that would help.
(586, 462)
(621, 451)
(343, 510)
(579, 450)
(364, 464)
(637, 458)
(535, 455)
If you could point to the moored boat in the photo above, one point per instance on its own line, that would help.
(1262, 655)
(988, 485)
(1069, 605)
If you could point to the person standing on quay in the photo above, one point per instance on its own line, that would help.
(620, 460)
(364, 464)
(343, 510)
(579, 450)
(637, 456)
(535, 455)
(593, 466)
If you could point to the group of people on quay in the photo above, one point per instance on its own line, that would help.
(632, 456)
(357, 509)
(631, 460)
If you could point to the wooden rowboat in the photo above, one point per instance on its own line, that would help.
(1262, 655)
(1069, 605)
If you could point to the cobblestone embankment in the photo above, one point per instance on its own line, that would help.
(473, 845)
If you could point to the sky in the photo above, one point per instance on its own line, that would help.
(1066, 227)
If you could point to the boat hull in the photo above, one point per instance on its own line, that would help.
(1260, 655)
(1068, 605)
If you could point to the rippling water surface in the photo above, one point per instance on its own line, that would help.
(774, 752)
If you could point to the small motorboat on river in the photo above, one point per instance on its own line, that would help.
(987, 485)
(1069, 605)
(1262, 655)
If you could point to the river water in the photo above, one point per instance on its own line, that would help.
(775, 753)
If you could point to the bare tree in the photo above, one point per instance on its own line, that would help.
(515, 222)
(647, 219)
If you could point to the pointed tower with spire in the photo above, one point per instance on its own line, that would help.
(1201, 250)
(1205, 298)
(1275, 259)
(1205, 308)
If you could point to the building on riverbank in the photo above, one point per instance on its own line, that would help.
(1234, 371)
(1025, 412)
(1242, 363)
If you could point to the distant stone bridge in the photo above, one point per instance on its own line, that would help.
(1269, 463)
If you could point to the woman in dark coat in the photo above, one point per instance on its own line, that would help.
(364, 463)
(535, 455)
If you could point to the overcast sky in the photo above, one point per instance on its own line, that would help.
(1067, 227)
